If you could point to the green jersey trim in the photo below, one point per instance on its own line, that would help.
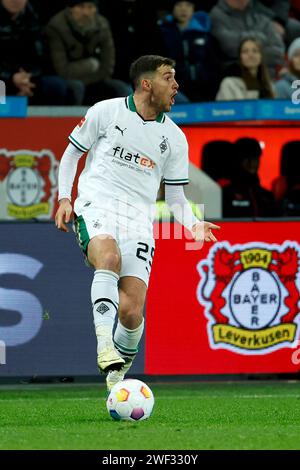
(131, 105)
(176, 182)
(77, 144)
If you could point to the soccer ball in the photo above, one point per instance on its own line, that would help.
(130, 400)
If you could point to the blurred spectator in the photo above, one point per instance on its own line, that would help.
(188, 41)
(291, 201)
(217, 160)
(286, 187)
(233, 20)
(135, 31)
(283, 87)
(22, 57)
(245, 197)
(278, 12)
(249, 79)
(82, 48)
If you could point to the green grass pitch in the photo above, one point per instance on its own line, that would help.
(255, 415)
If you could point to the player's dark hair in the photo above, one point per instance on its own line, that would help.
(147, 64)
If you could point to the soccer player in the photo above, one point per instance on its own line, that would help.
(132, 145)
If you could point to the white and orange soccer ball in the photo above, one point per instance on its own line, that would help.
(130, 400)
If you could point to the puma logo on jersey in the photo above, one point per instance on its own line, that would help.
(121, 130)
(134, 158)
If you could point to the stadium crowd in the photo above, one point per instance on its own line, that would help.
(79, 52)
(75, 52)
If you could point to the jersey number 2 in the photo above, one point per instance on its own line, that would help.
(144, 249)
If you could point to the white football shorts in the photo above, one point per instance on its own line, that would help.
(136, 244)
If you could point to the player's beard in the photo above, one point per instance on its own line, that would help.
(159, 103)
(166, 106)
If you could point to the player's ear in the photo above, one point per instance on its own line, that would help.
(146, 84)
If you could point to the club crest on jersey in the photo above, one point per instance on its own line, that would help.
(163, 145)
(250, 294)
(28, 184)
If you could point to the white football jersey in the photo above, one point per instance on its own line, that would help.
(128, 156)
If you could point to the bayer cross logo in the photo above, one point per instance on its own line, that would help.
(255, 298)
(250, 293)
(23, 186)
(29, 180)
(102, 308)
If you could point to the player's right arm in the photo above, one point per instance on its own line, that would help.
(64, 214)
(66, 175)
(85, 134)
(82, 138)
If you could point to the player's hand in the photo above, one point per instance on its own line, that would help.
(203, 231)
(64, 214)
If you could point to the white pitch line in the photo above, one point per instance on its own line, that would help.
(181, 397)
(47, 398)
(232, 396)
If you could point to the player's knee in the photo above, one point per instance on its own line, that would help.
(108, 260)
(130, 314)
(111, 261)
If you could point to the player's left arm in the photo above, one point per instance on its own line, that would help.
(182, 211)
(175, 175)
(202, 230)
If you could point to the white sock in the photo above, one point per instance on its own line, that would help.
(105, 300)
(127, 341)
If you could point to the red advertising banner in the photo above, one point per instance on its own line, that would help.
(272, 139)
(29, 154)
(229, 308)
(31, 147)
